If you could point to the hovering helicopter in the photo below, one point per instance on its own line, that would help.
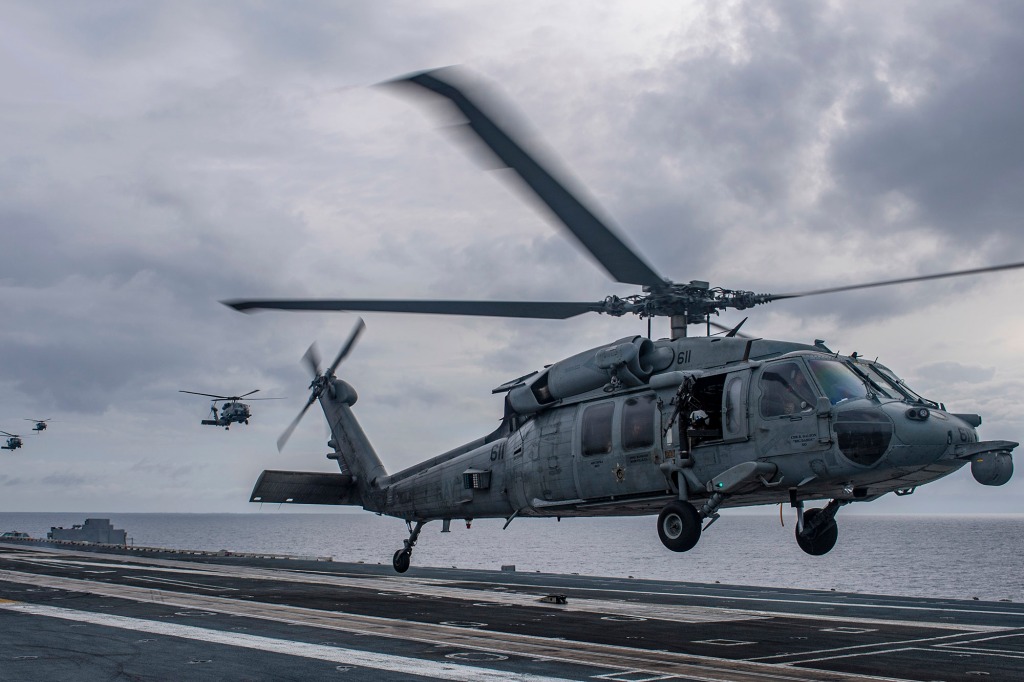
(682, 427)
(13, 441)
(233, 411)
(40, 424)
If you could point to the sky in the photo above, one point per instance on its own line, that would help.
(160, 157)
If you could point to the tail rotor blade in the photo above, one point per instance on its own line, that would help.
(347, 348)
(312, 359)
(283, 438)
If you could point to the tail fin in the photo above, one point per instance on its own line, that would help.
(364, 474)
(356, 456)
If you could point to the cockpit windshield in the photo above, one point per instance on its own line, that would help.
(838, 381)
(892, 381)
(882, 383)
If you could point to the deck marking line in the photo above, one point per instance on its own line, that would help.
(860, 653)
(920, 640)
(365, 659)
(182, 583)
(1006, 635)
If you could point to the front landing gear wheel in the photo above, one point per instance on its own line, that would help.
(401, 560)
(679, 526)
(822, 540)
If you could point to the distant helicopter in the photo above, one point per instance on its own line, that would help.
(682, 427)
(233, 411)
(13, 441)
(40, 424)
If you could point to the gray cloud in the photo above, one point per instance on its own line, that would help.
(162, 157)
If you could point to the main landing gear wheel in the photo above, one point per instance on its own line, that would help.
(822, 540)
(403, 556)
(679, 526)
(401, 560)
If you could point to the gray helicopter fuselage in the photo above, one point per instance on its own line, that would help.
(620, 445)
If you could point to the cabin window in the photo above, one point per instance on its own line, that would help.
(734, 409)
(785, 390)
(597, 429)
(638, 423)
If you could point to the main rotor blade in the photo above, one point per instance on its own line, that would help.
(283, 438)
(548, 310)
(249, 393)
(347, 348)
(903, 280)
(621, 262)
(210, 395)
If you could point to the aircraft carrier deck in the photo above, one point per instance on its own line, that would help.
(98, 613)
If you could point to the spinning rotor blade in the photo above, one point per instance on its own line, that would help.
(549, 310)
(312, 359)
(320, 380)
(238, 397)
(283, 438)
(903, 280)
(210, 395)
(621, 262)
(347, 348)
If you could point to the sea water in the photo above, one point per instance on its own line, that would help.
(959, 557)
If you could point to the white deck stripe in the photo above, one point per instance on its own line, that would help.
(339, 655)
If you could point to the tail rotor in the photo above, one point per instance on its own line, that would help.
(321, 380)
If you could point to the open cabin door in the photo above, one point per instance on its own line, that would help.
(735, 395)
(717, 411)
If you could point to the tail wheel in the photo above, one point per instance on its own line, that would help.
(679, 526)
(823, 539)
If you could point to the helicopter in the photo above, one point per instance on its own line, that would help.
(40, 424)
(233, 411)
(682, 427)
(13, 441)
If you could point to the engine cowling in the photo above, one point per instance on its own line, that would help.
(992, 468)
(628, 362)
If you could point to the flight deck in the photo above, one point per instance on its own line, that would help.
(77, 612)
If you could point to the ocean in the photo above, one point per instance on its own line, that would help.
(960, 557)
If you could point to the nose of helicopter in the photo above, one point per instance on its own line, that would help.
(924, 435)
(901, 434)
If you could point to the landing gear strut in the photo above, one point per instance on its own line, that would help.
(679, 526)
(403, 556)
(816, 529)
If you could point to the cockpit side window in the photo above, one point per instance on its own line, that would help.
(785, 390)
(597, 429)
(837, 380)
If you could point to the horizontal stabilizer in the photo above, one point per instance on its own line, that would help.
(304, 487)
(972, 450)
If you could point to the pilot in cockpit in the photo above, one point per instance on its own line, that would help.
(799, 395)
